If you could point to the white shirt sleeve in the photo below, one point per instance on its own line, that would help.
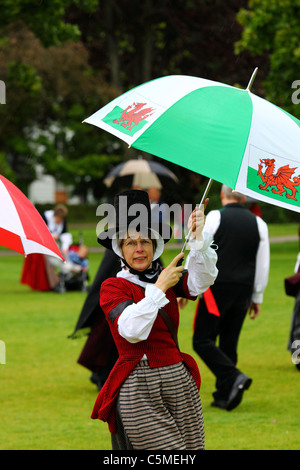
(212, 222)
(262, 262)
(297, 263)
(66, 240)
(201, 265)
(136, 321)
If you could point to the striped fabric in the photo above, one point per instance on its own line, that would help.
(161, 409)
(159, 348)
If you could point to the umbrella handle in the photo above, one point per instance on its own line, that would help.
(206, 191)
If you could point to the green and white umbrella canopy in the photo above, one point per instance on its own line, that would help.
(225, 133)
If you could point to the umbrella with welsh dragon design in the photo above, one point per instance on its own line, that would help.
(225, 133)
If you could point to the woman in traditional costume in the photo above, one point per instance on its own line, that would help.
(151, 398)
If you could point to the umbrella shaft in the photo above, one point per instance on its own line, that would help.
(208, 186)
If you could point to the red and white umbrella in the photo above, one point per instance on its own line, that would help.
(22, 228)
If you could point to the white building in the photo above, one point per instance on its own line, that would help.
(46, 190)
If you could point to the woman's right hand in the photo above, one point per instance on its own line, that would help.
(170, 275)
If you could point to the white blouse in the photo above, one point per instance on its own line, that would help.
(136, 321)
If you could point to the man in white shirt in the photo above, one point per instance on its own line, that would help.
(243, 262)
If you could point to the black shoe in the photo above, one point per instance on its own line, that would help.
(241, 383)
(219, 404)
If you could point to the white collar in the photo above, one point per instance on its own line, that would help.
(126, 274)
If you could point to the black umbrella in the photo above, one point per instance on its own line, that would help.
(143, 173)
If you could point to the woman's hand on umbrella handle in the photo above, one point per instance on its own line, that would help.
(170, 275)
(196, 221)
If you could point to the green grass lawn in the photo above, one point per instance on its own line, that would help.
(47, 398)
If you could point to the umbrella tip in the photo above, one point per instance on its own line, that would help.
(252, 79)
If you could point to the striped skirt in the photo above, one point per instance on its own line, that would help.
(161, 409)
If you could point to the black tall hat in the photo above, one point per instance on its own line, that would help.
(133, 210)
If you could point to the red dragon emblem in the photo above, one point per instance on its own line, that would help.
(281, 180)
(133, 114)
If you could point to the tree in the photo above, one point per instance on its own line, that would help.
(131, 42)
(62, 60)
(271, 29)
(49, 93)
(45, 19)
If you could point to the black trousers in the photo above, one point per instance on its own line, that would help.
(233, 301)
(295, 323)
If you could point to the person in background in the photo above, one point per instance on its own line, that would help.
(294, 290)
(41, 272)
(243, 262)
(56, 221)
(99, 352)
(154, 194)
(79, 257)
(157, 205)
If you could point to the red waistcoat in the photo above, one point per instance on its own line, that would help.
(159, 346)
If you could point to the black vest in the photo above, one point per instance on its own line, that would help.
(237, 239)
